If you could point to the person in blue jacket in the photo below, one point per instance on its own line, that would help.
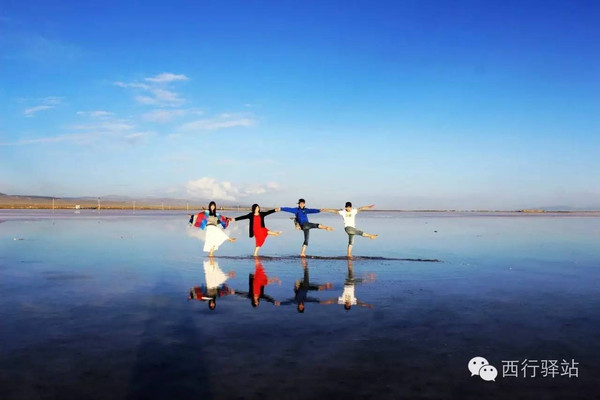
(301, 213)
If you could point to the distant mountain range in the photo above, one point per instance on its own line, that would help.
(118, 201)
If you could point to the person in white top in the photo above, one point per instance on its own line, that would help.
(349, 215)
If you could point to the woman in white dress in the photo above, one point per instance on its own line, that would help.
(209, 220)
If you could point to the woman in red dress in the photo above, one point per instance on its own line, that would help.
(257, 228)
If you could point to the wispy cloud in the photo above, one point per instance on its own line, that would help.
(47, 104)
(157, 91)
(111, 126)
(221, 122)
(79, 138)
(108, 132)
(160, 96)
(167, 77)
(166, 115)
(96, 114)
(30, 112)
(133, 85)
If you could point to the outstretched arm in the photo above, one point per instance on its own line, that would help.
(288, 209)
(330, 210)
(365, 207)
(247, 216)
(265, 213)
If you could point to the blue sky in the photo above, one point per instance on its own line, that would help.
(405, 104)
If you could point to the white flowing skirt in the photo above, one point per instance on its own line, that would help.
(215, 237)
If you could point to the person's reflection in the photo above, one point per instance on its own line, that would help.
(256, 286)
(301, 288)
(215, 284)
(348, 299)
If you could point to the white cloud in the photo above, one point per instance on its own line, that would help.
(166, 78)
(209, 188)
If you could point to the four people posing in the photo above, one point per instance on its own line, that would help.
(210, 219)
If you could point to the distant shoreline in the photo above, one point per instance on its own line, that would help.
(119, 206)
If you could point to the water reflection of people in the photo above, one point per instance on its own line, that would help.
(215, 284)
(348, 299)
(301, 288)
(256, 286)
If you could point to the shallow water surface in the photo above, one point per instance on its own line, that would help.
(96, 306)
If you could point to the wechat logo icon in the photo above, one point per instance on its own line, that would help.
(480, 366)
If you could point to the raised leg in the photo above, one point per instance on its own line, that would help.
(327, 228)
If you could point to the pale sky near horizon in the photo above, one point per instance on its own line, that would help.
(404, 104)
